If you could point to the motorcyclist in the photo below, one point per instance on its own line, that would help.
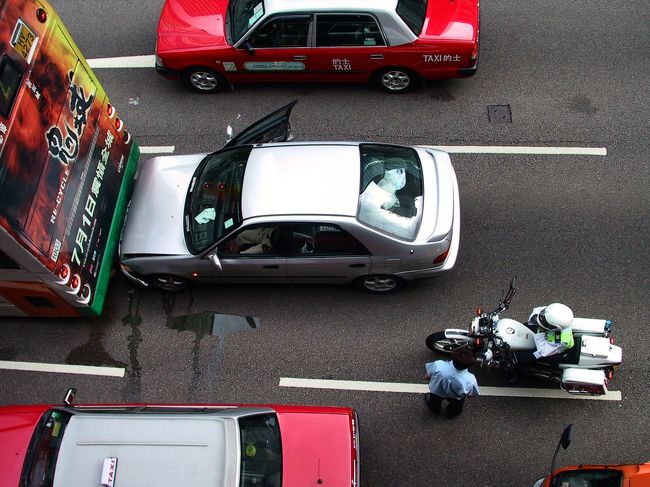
(553, 334)
(552, 325)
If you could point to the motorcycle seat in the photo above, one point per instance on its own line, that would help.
(570, 356)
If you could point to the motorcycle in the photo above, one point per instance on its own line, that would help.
(584, 369)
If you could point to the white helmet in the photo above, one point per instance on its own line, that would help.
(555, 317)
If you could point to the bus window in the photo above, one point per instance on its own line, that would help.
(10, 79)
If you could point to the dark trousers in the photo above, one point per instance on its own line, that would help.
(454, 406)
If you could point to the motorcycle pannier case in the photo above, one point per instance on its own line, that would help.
(584, 381)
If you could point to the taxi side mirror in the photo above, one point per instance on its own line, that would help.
(249, 47)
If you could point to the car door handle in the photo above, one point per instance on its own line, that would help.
(376, 57)
(299, 58)
(271, 267)
(357, 265)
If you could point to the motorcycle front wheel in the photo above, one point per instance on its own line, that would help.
(438, 342)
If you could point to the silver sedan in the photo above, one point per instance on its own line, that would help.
(266, 210)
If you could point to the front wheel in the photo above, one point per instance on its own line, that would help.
(396, 80)
(204, 80)
(438, 342)
(164, 282)
(379, 284)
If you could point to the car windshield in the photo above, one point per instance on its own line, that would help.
(261, 451)
(591, 478)
(413, 13)
(242, 15)
(390, 196)
(40, 461)
(213, 206)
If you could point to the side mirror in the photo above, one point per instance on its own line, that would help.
(215, 260)
(249, 47)
(69, 396)
(565, 441)
(229, 133)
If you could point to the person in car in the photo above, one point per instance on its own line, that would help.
(252, 241)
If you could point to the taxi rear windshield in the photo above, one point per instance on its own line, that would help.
(413, 13)
(261, 451)
(390, 195)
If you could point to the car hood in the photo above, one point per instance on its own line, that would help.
(316, 446)
(16, 428)
(154, 221)
(188, 24)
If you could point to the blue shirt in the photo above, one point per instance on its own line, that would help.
(447, 381)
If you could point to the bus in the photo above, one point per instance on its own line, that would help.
(67, 167)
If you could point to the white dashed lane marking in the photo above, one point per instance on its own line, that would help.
(62, 368)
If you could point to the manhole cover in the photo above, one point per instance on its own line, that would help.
(499, 114)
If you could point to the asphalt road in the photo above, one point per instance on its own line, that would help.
(573, 228)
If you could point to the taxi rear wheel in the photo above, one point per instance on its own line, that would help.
(396, 80)
(204, 80)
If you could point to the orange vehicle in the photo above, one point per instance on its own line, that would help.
(66, 169)
(619, 475)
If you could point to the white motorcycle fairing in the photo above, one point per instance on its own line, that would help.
(515, 334)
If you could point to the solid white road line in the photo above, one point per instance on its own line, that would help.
(62, 368)
(148, 61)
(497, 149)
(157, 149)
(350, 385)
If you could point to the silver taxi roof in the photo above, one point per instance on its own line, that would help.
(302, 179)
(151, 449)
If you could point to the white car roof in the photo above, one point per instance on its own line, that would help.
(273, 6)
(307, 179)
(151, 449)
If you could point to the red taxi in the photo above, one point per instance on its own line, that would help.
(188, 445)
(395, 44)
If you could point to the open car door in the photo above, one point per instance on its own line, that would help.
(272, 128)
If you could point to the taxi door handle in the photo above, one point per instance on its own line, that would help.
(357, 265)
(271, 267)
(376, 57)
(299, 58)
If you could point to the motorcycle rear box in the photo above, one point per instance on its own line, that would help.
(584, 381)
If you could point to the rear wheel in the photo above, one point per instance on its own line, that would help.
(438, 342)
(379, 284)
(165, 282)
(396, 80)
(204, 80)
